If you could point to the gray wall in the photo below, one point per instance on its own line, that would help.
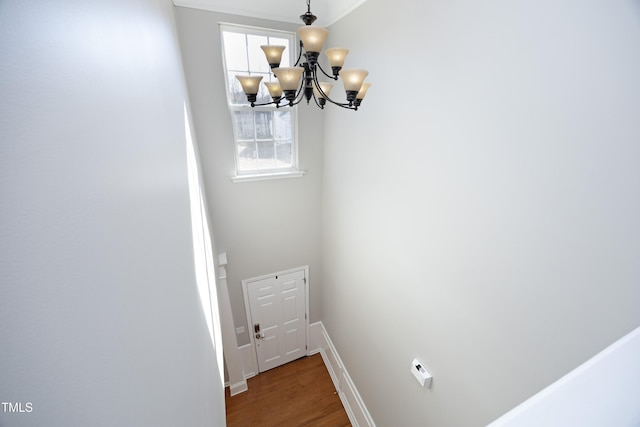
(100, 318)
(265, 226)
(481, 212)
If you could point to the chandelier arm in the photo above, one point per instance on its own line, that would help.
(299, 55)
(318, 102)
(298, 99)
(344, 105)
(347, 105)
(316, 83)
(325, 73)
(262, 104)
(299, 94)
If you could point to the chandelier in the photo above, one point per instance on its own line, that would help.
(301, 81)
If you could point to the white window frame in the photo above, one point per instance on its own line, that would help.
(252, 175)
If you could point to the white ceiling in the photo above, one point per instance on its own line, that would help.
(327, 11)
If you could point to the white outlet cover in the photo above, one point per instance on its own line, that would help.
(421, 373)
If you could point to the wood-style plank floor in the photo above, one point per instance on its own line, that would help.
(297, 394)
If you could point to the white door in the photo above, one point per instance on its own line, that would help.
(276, 311)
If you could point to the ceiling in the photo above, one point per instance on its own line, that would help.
(327, 11)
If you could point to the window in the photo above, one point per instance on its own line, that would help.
(265, 136)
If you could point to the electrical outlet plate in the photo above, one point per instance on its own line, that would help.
(420, 372)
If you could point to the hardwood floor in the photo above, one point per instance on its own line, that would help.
(297, 394)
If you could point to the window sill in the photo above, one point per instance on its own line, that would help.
(267, 176)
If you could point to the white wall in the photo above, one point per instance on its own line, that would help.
(265, 226)
(483, 219)
(100, 318)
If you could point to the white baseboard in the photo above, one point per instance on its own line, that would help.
(250, 368)
(320, 341)
(249, 362)
(238, 387)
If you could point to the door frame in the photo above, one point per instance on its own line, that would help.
(247, 308)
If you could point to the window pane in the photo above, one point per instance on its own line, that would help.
(257, 60)
(247, 156)
(284, 156)
(243, 124)
(266, 155)
(263, 123)
(282, 125)
(235, 51)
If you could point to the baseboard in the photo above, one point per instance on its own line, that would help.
(249, 362)
(238, 387)
(320, 342)
(250, 369)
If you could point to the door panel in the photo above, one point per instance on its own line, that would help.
(277, 311)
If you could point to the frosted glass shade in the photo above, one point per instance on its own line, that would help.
(326, 88)
(363, 90)
(353, 78)
(289, 77)
(336, 56)
(273, 54)
(312, 37)
(274, 89)
(250, 84)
